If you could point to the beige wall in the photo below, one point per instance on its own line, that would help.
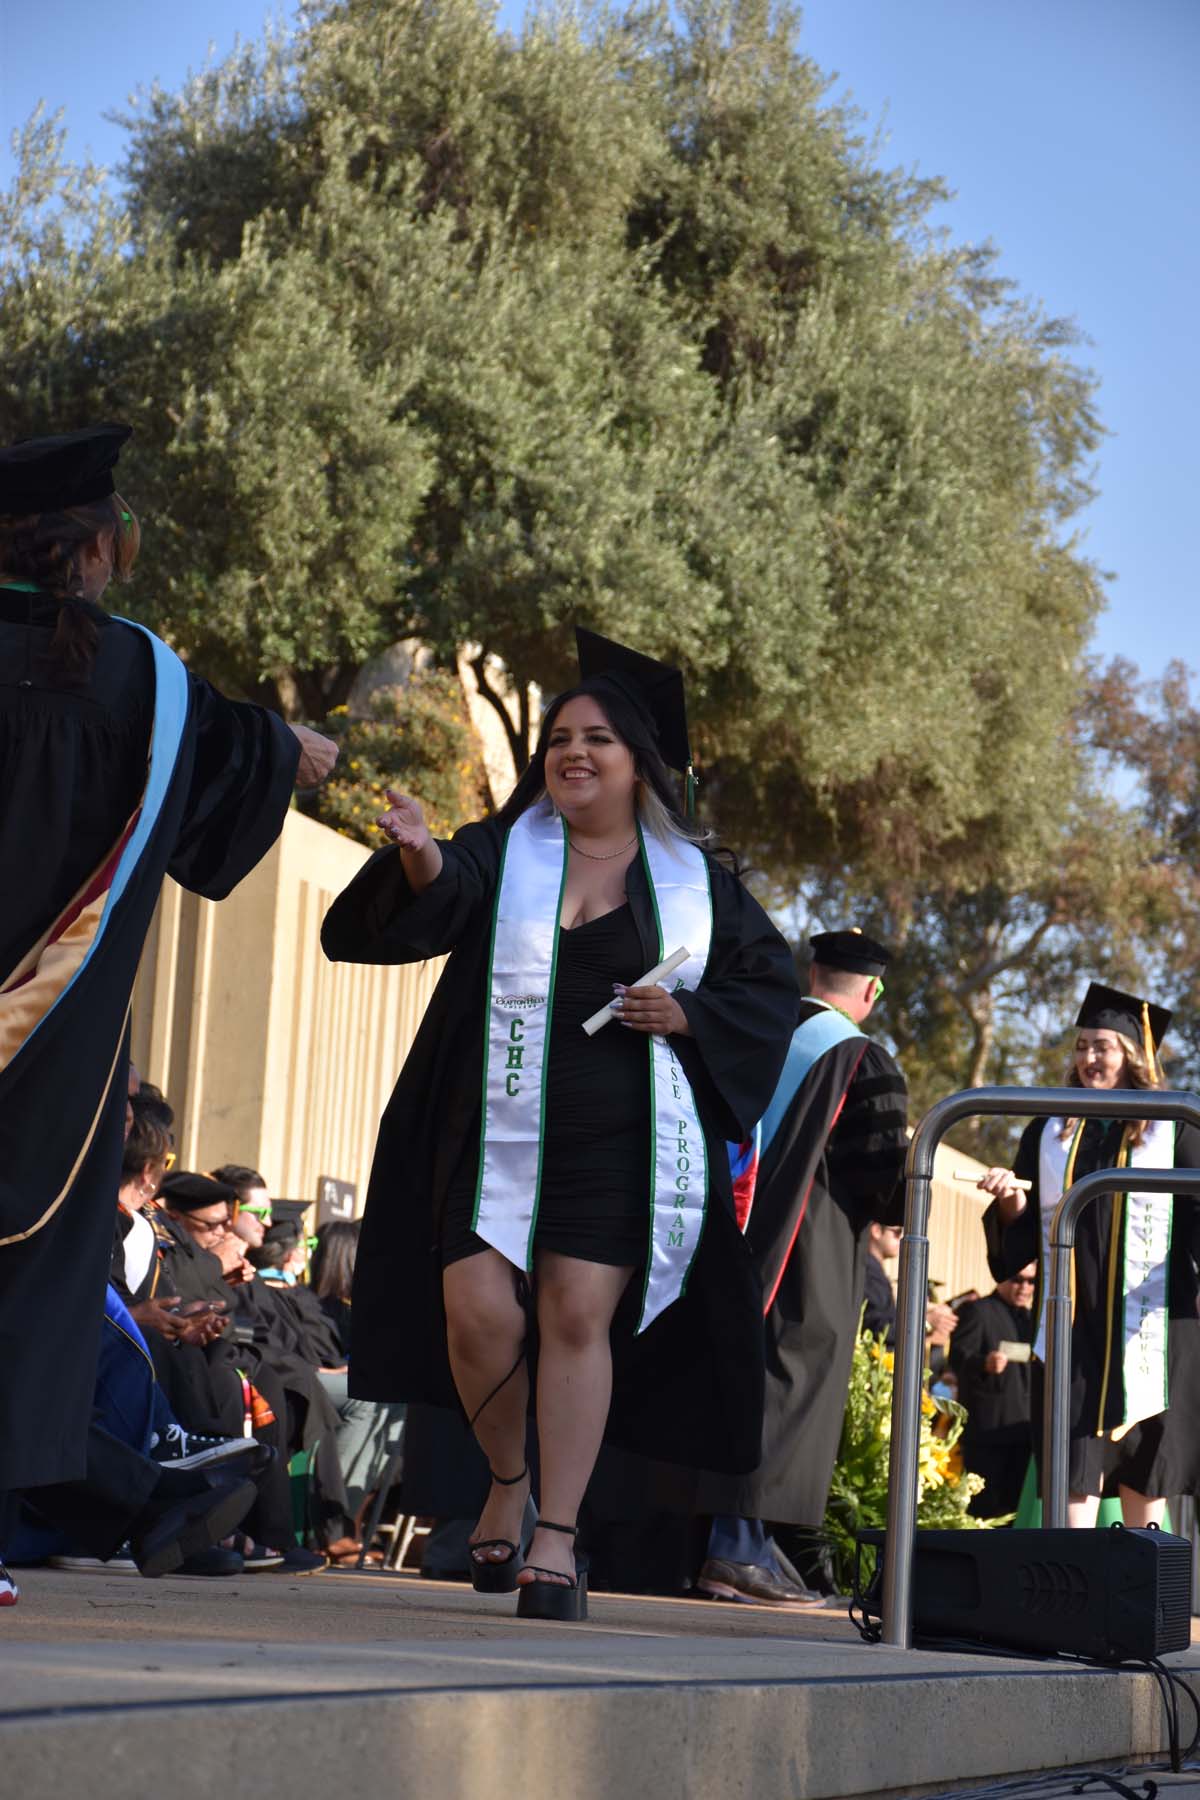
(957, 1258)
(271, 1055)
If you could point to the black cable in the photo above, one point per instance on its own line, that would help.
(484, 1404)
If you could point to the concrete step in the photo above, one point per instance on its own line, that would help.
(374, 1686)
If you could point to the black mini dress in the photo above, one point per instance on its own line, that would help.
(595, 1196)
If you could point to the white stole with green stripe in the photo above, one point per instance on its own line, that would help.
(1140, 1361)
(521, 975)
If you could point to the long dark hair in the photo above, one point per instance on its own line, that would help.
(45, 548)
(657, 799)
(331, 1271)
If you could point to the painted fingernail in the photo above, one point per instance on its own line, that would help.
(619, 987)
(616, 1005)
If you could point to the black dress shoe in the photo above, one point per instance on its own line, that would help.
(166, 1534)
(750, 1582)
(216, 1560)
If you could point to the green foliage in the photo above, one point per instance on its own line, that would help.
(859, 1489)
(419, 740)
(430, 330)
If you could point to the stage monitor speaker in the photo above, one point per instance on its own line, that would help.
(1113, 1595)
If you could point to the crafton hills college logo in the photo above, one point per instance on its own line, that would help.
(518, 1003)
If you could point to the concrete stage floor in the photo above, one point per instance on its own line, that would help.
(375, 1685)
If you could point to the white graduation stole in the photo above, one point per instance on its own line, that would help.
(1144, 1252)
(521, 974)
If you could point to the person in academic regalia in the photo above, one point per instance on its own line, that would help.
(1135, 1338)
(117, 766)
(993, 1385)
(526, 1163)
(833, 1142)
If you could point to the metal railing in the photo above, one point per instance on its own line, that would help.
(912, 1289)
(1056, 1409)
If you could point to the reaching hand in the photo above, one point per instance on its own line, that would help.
(317, 756)
(404, 822)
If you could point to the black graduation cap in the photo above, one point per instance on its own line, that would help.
(188, 1192)
(283, 1231)
(851, 950)
(48, 474)
(1108, 1009)
(655, 689)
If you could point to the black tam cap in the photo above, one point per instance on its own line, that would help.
(1108, 1009)
(655, 689)
(850, 950)
(185, 1192)
(49, 474)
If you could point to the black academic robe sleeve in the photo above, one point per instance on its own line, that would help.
(378, 918)
(243, 773)
(869, 1143)
(1011, 1247)
(741, 1017)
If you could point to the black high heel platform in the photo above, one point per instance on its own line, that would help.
(557, 1597)
(490, 1576)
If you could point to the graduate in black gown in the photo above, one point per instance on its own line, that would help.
(118, 766)
(833, 1142)
(519, 1151)
(1135, 1338)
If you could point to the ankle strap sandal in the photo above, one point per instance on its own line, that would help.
(492, 1574)
(552, 1595)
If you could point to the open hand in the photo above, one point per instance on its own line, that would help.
(404, 822)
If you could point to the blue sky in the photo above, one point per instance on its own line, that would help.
(1067, 128)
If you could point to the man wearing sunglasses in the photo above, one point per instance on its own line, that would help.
(251, 1217)
(990, 1355)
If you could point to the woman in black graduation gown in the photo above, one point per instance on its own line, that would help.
(1135, 1340)
(517, 1144)
(117, 766)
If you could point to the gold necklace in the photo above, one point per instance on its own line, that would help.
(607, 855)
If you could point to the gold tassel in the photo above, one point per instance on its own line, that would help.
(1148, 1044)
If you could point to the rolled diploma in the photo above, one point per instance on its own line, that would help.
(966, 1175)
(1015, 1352)
(658, 973)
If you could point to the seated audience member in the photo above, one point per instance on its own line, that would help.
(158, 1515)
(369, 1432)
(990, 1355)
(131, 1406)
(280, 1262)
(879, 1315)
(203, 1259)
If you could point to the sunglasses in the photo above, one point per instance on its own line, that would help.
(256, 1207)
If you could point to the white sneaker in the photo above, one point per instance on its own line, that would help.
(119, 1563)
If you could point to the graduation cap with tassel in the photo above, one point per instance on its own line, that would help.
(1108, 1009)
(655, 688)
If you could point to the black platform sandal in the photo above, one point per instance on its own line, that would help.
(490, 1576)
(558, 1597)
